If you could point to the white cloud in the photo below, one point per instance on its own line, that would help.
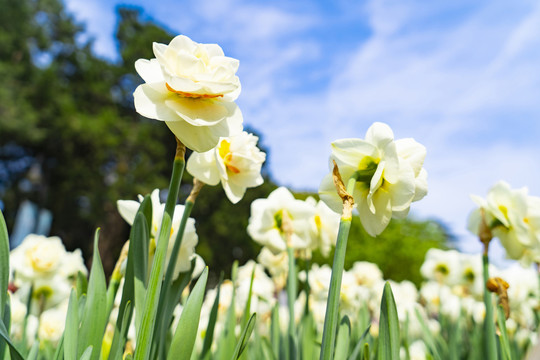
(462, 78)
(99, 19)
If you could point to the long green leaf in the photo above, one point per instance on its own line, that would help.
(268, 353)
(428, 338)
(291, 298)
(186, 332)
(275, 332)
(490, 338)
(136, 285)
(134, 289)
(343, 339)
(389, 342)
(169, 295)
(308, 335)
(34, 351)
(82, 284)
(87, 353)
(505, 343)
(59, 352)
(227, 341)
(4, 264)
(356, 351)
(244, 337)
(7, 324)
(72, 327)
(15, 354)
(146, 331)
(209, 337)
(94, 318)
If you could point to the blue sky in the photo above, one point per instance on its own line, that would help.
(461, 77)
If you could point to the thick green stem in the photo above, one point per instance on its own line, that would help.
(490, 339)
(161, 323)
(332, 305)
(307, 289)
(146, 333)
(291, 297)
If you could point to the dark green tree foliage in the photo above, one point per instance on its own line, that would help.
(68, 115)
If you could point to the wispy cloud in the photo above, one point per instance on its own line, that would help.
(461, 77)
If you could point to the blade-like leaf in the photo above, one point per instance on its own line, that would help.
(151, 301)
(505, 343)
(72, 327)
(15, 354)
(389, 342)
(4, 264)
(343, 339)
(186, 332)
(244, 337)
(34, 351)
(209, 337)
(82, 284)
(94, 317)
(428, 338)
(356, 351)
(275, 331)
(87, 353)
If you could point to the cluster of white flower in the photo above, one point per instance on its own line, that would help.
(513, 216)
(453, 289)
(42, 275)
(281, 221)
(454, 286)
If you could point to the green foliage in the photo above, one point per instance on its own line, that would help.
(389, 339)
(68, 115)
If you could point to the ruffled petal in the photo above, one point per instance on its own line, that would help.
(151, 104)
(203, 167)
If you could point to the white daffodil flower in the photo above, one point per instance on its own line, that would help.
(236, 162)
(128, 209)
(513, 217)
(192, 87)
(51, 325)
(266, 223)
(325, 226)
(442, 266)
(37, 257)
(389, 177)
(276, 264)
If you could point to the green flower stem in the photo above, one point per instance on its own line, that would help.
(307, 289)
(291, 297)
(161, 327)
(332, 306)
(489, 323)
(146, 332)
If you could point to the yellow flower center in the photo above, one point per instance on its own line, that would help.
(191, 95)
(504, 210)
(318, 221)
(226, 154)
